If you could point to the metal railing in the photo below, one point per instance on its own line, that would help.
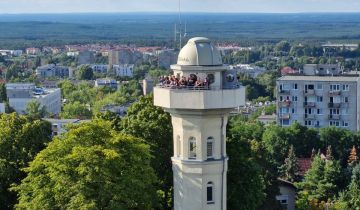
(284, 91)
(284, 116)
(334, 117)
(209, 87)
(309, 116)
(284, 103)
(309, 92)
(334, 92)
(309, 104)
(334, 105)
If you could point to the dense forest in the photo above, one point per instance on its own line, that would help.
(158, 29)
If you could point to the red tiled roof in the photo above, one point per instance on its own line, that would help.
(304, 165)
(287, 70)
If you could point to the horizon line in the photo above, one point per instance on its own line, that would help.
(174, 12)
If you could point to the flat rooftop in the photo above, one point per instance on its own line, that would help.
(342, 78)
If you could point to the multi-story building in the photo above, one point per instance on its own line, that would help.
(125, 70)
(100, 68)
(33, 51)
(20, 94)
(2, 107)
(326, 97)
(106, 82)
(166, 57)
(52, 70)
(58, 126)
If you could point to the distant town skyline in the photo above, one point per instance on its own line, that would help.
(221, 6)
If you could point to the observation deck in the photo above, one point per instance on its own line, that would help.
(199, 97)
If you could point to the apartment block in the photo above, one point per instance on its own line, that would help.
(326, 98)
(20, 94)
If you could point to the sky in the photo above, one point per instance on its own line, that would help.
(257, 6)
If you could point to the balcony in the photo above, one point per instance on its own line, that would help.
(284, 92)
(284, 103)
(309, 92)
(198, 99)
(334, 93)
(334, 105)
(334, 117)
(284, 116)
(309, 116)
(309, 104)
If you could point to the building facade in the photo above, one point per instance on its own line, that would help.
(199, 117)
(319, 100)
(20, 94)
(52, 70)
(124, 70)
(106, 82)
(58, 126)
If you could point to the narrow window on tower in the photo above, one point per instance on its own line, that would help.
(209, 147)
(178, 146)
(210, 193)
(192, 148)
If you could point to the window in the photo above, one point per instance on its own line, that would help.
(334, 123)
(281, 98)
(178, 146)
(284, 110)
(308, 122)
(317, 123)
(320, 111)
(293, 110)
(230, 78)
(209, 147)
(210, 193)
(294, 98)
(285, 122)
(346, 87)
(192, 148)
(345, 124)
(334, 87)
(309, 87)
(334, 111)
(319, 86)
(295, 86)
(346, 99)
(319, 99)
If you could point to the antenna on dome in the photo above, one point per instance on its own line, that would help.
(180, 32)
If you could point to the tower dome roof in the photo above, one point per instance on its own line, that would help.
(199, 51)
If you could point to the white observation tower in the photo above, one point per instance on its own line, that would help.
(199, 97)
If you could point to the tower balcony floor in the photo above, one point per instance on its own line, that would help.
(199, 98)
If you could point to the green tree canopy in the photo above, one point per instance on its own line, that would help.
(76, 110)
(290, 169)
(20, 140)
(152, 124)
(35, 110)
(319, 183)
(90, 167)
(3, 97)
(85, 72)
(247, 192)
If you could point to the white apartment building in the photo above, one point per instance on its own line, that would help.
(58, 126)
(319, 100)
(2, 107)
(124, 70)
(100, 68)
(20, 94)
